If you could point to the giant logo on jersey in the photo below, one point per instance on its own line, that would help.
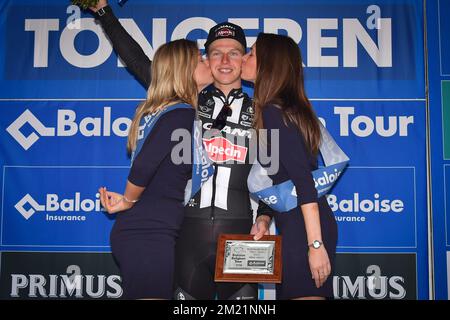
(221, 150)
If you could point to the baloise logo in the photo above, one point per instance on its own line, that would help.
(28, 206)
(67, 125)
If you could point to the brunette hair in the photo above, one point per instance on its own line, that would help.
(279, 81)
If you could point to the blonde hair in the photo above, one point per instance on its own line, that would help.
(172, 82)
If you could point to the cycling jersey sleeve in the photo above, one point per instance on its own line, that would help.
(264, 209)
(126, 47)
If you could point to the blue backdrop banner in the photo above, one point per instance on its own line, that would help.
(66, 103)
(438, 27)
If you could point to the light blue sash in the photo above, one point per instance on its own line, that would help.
(148, 123)
(202, 167)
(283, 197)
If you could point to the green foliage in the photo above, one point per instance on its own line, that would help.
(85, 4)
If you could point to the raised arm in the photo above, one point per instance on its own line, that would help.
(137, 62)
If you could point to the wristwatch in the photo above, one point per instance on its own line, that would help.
(315, 244)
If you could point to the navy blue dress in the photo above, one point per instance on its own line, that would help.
(143, 237)
(296, 164)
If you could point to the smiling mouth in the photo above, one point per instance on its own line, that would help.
(225, 70)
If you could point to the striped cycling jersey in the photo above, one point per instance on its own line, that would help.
(225, 195)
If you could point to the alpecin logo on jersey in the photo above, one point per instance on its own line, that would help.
(221, 150)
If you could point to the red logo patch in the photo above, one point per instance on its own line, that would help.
(221, 150)
(225, 32)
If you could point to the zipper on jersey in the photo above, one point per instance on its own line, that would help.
(225, 100)
(213, 199)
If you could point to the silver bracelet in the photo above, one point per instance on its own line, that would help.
(130, 201)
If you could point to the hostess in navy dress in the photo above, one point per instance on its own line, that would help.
(143, 237)
(296, 164)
